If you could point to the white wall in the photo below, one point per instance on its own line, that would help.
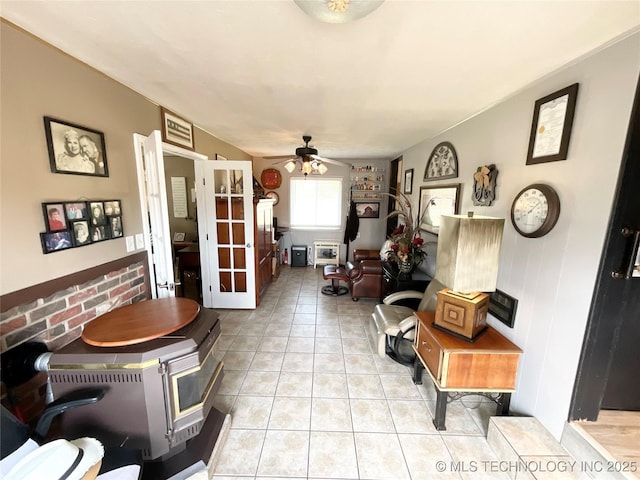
(553, 276)
(372, 230)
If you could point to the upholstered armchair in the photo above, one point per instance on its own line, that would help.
(365, 274)
(392, 326)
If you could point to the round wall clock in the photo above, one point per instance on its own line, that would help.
(274, 196)
(535, 210)
(271, 178)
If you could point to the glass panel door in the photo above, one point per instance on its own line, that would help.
(228, 274)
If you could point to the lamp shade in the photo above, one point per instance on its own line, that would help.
(469, 252)
(290, 166)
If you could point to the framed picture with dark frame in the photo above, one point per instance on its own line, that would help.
(81, 235)
(74, 149)
(76, 210)
(96, 214)
(442, 163)
(115, 227)
(435, 202)
(55, 241)
(54, 217)
(408, 181)
(551, 126)
(99, 233)
(368, 209)
(112, 208)
(176, 130)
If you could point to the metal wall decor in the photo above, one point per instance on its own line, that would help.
(442, 163)
(484, 185)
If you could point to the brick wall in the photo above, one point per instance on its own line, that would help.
(59, 318)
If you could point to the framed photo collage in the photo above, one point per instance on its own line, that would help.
(76, 224)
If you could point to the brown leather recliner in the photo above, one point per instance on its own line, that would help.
(365, 274)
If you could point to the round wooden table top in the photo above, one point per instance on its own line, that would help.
(140, 322)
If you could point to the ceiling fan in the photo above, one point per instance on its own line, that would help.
(307, 159)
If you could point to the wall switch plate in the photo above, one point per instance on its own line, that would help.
(139, 240)
(130, 244)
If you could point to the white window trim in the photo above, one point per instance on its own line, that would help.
(317, 227)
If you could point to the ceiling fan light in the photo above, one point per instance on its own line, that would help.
(290, 166)
(322, 168)
(306, 167)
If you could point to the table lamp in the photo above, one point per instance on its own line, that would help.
(467, 262)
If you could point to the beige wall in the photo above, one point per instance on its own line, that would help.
(208, 145)
(181, 167)
(38, 80)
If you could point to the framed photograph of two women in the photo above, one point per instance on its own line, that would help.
(74, 149)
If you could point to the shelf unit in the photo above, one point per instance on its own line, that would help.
(367, 182)
(326, 252)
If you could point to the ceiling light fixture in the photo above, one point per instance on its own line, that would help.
(338, 11)
(307, 166)
(290, 166)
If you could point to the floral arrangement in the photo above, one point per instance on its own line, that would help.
(406, 241)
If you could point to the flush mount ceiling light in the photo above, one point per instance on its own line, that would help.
(338, 11)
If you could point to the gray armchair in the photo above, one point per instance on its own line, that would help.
(392, 326)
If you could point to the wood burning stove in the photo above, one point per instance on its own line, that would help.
(160, 392)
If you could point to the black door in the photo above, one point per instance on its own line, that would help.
(394, 188)
(610, 361)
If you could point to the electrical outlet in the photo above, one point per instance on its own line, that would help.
(139, 241)
(130, 244)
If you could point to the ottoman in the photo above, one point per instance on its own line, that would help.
(335, 274)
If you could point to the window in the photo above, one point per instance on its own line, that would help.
(316, 203)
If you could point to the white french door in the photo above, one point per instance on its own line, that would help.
(155, 211)
(226, 233)
(155, 217)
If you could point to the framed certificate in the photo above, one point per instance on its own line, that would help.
(551, 126)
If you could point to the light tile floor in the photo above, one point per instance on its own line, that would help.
(309, 399)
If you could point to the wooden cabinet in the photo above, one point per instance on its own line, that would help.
(264, 238)
(488, 365)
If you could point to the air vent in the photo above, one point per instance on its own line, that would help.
(186, 434)
(94, 378)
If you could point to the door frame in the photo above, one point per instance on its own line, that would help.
(167, 149)
(604, 326)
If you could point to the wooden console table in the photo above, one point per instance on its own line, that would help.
(485, 367)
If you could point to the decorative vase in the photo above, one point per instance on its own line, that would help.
(406, 267)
